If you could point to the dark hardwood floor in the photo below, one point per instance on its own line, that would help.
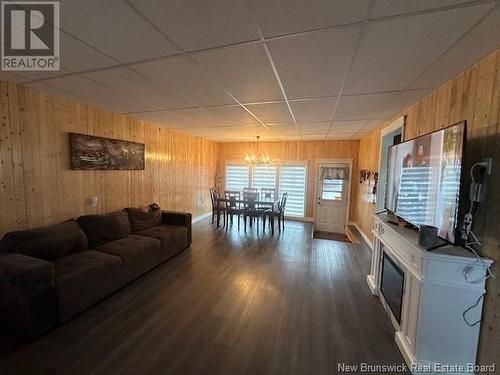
(234, 303)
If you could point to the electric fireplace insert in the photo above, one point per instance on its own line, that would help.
(392, 285)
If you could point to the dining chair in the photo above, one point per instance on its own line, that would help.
(252, 210)
(233, 206)
(250, 190)
(267, 194)
(278, 213)
(217, 207)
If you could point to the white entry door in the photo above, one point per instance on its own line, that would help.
(331, 202)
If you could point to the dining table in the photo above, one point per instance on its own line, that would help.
(261, 202)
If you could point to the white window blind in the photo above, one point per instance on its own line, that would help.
(292, 180)
(237, 177)
(264, 176)
(289, 179)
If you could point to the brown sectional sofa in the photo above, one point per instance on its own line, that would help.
(49, 275)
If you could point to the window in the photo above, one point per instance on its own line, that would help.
(332, 189)
(292, 179)
(237, 177)
(289, 179)
(264, 176)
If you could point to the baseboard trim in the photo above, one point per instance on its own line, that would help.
(296, 218)
(365, 237)
(199, 218)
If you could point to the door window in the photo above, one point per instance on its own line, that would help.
(332, 189)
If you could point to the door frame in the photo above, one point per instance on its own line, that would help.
(349, 162)
(397, 123)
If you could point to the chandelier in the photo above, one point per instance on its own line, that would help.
(257, 158)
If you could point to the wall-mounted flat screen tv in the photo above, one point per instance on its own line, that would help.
(423, 179)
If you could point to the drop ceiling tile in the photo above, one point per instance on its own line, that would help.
(207, 131)
(187, 80)
(12, 76)
(202, 116)
(244, 70)
(384, 8)
(168, 118)
(280, 126)
(393, 53)
(260, 131)
(363, 107)
(115, 28)
(347, 126)
(83, 89)
(33, 74)
(313, 110)
(314, 128)
(280, 17)
(228, 133)
(234, 114)
(266, 138)
(195, 24)
(407, 98)
(372, 125)
(306, 131)
(478, 43)
(271, 113)
(286, 132)
(252, 129)
(314, 64)
(131, 83)
(313, 137)
(29, 75)
(76, 56)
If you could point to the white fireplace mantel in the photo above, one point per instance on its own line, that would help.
(436, 294)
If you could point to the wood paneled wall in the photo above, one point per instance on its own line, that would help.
(37, 186)
(363, 208)
(474, 96)
(307, 151)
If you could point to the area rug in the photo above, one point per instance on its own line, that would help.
(330, 236)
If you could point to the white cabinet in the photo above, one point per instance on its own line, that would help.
(432, 331)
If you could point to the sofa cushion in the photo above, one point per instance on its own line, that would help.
(143, 218)
(84, 278)
(166, 233)
(101, 229)
(47, 243)
(137, 253)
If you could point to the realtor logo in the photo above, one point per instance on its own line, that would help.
(30, 35)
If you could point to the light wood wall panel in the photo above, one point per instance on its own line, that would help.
(363, 207)
(295, 151)
(38, 188)
(474, 96)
